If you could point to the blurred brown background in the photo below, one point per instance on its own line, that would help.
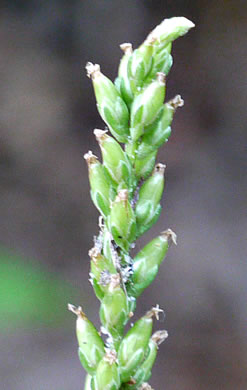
(47, 114)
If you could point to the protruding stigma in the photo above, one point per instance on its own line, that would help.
(170, 235)
(154, 312)
(90, 157)
(126, 48)
(76, 310)
(93, 70)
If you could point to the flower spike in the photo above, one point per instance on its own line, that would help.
(127, 188)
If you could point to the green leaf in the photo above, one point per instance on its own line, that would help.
(30, 295)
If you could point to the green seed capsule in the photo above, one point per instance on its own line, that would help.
(100, 186)
(101, 270)
(147, 262)
(143, 373)
(152, 221)
(159, 132)
(144, 166)
(122, 221)
(126, 84)
(110, 250)
(91, 346)
(146, 106)
(162, 59)
(111, 106)
(88, 382)
(169, 30)
(117, 82)
(164, 120)
(162, 62)
(114, 310)
(141, 63)
(149, 197)
(133, 346)
(114, 158)
(107, 375)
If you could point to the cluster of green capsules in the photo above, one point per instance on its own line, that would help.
(127, 188)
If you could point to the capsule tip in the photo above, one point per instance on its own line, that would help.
(159, 336)
(94, 253)
(90, 157)
(76, 310)
(155, 311)
(93, 70)
(176, 102)
(100, 134)
(160, 168)
(126, 48)
(145, 386)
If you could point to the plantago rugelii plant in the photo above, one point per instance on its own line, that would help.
(126, 188)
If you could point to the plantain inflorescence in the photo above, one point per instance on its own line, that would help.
(126, 188)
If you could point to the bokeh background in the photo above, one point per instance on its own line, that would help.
(47, 114)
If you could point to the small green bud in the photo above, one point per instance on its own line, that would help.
(100, 186)
(147, 262)
(149, 197)
(144, 166)
(91, 346)
(111, 106)
(133, 346)
(146, 106)
(112, 251)
(107, 375)
(115, 160)
(169, 30)
(141, 63)
(159, 132)
(162, 62)
(143, 373)
(114, 310)
(126, 84)
(122, 221)
(101, 269)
